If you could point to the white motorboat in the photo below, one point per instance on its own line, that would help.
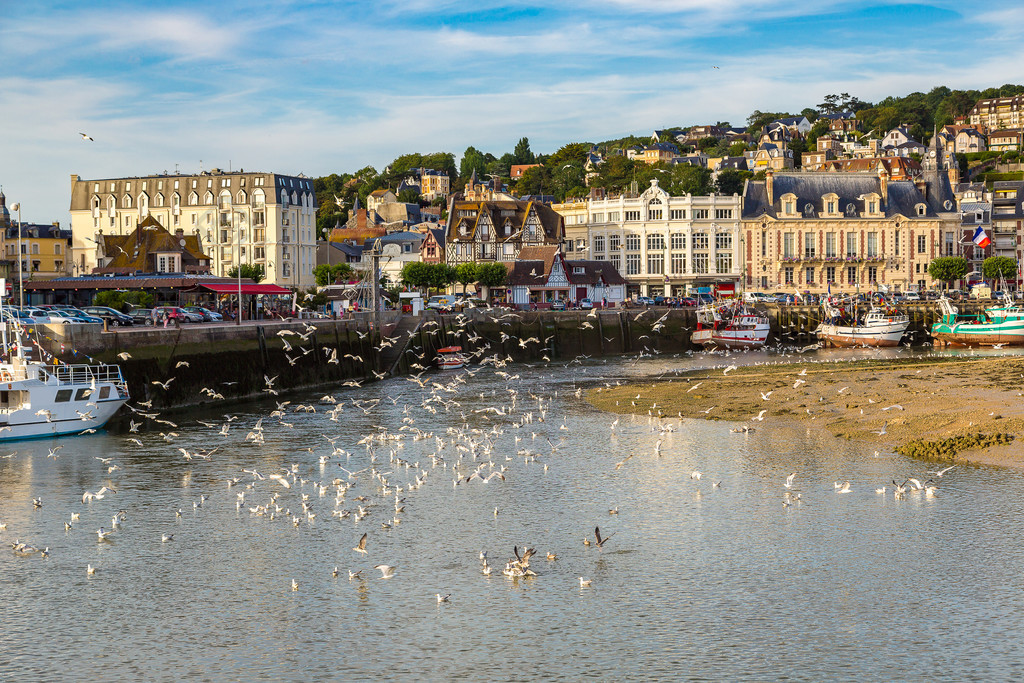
(882, 325)
(451, 358)
(730, 325)
(42, 400)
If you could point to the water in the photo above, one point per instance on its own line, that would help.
(696, 583)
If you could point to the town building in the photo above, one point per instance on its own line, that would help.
(486, 226)
(998, 112)
(1006, 140)
(432, 249)
(898, 168)
(396, 250)
(238, 217)
(150, 248)
(43, 248)
(975, 213)
(848, 232)
(667, 246)
(542, 275)
(516, 171)
(1007, 218)
(659, 152)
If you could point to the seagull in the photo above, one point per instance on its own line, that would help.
(696, 474)
(942, 471)
(881, 432)
(361, 548)
(124, 355)
(166, 537)
(599, 542)
(295, 585)
(387, 571)
(760, 416)
(103, 534)
(585, 583)
(86, 138)
(164, 385)
(90, 570)
(789, 480)
(765, 397)
(845, 488)
(442, 598)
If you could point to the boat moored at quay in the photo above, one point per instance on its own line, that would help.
(731, 325)
(1001, 325)
(881, 326)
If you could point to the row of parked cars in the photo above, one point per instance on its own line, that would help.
(59, 313)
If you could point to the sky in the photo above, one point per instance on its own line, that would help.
(320, 87)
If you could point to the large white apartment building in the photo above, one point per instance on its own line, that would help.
(661, 245)
(238, 217)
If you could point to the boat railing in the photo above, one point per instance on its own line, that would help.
(83, 374)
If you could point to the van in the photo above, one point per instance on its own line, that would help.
(441, 302)
(756, 298)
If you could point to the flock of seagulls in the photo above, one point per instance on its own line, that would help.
(370, 485)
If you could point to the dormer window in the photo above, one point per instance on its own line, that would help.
(921, 209)
(578, 270)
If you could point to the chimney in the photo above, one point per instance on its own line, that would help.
(769, 185)
(179, 233)
(883, 181)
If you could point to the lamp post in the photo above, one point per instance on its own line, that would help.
(21, 264)
(238, 268)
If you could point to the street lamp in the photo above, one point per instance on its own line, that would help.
(21, 263)
(238, 266)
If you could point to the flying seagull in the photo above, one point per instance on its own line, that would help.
(86, 137)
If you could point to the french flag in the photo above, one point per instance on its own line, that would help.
(980, 238)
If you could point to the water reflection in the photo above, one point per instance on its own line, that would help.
(697, 582)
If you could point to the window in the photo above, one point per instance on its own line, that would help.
(599, 243)
(678, 240)
(56, 248)
(655, 242)
(949, 244)
(632, 264)
(677, 214)
(82, 394)
(872, 274)
(723, 241)
(830, 273)
(127, 201)
(614, 243)
(809, 251)
(632, 215)
(830, 244)
(764, 243)
(193, 199)
(723, 262)
(700, 264)
(678, 263)
(597, 218)
(896, 243)
(922, 244)
(872, 245)
(654, 214)
(721, 214)
(632, 242)
(63, 395)
(788, 273)
(104, 393)
(851, 275)
(613, 216)
(831, 207)
(616, 260)
(788, 245)
(656, 263)
(700, 240)
(699, 214)
(851, 244)
(873, 206)
(35, 248)
(790, 206)
(809, 272)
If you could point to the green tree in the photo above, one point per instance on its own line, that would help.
(253, 271)
(492, 274)
(472, 160)
(737, 149)
(522, 152)
(409, 196)
(685, 179)
(817, 130)
(997, 268)
(416, 274)
(325, 274)
(535, 181)
(465, 273)
(707, 143)
(441, 275)
(574, 153)
(948, 268)
(730, 181)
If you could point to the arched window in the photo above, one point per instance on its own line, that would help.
(240, 199)
(143, 203)
(193, 199)
(175, 200)
(225, 200)
(295, 198)
(259, 199)
(208, 197)
(284, 197)
(111, 205)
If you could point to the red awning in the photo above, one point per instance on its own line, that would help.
(247, 288)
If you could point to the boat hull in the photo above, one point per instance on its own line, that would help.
(848, 336)
(730, 339)
(30, 426)
(966, 334)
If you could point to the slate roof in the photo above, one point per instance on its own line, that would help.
(594, 273)
(37, 231)
(810, 188)
(551, 222)
(839, 115)
(527, 273)
(136, 251)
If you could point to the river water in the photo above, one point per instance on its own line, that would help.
(698, 581)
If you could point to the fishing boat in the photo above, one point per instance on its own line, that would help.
(39, 400)
(995, 326)
(730, 325)
(882, 325)
(450, 358)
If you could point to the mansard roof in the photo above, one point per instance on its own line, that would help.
(516, 212)
(851, 188)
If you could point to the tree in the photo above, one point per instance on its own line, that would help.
(120, 300)
(409, 196)
(737, 149)
(535, 181)
(948, 268)
(997, 268)
(472, 160)
(522, 152)
(707, 143)
(574, 153)
(441, 275)
(817, 130)
(416, 274)
(466, 273)
(730, 181)
(686, 179)
(325, 274)
(810, 112)
(253, 271)
(491, 275)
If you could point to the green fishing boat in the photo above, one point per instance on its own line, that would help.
(1001, 325)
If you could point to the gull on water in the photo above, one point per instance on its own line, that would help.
(387, 571)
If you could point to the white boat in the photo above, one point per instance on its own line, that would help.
(450, 358)
(730, 325)
(881, 325)
(39, 400)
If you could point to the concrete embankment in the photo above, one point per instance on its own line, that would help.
(234, 361)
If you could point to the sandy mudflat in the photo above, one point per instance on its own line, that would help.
(935, 398)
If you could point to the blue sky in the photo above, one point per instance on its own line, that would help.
(320, 87)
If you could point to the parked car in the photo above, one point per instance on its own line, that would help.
(586, 304)
(37, 314)
(644, 301)
(558, 305)
(911, 296)
(441, 302)
(688, 301)
(142, 316)
(16, 314)
(69, 315)
(470, 302)
(207, 315)
(162, 312)
(113, 318)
